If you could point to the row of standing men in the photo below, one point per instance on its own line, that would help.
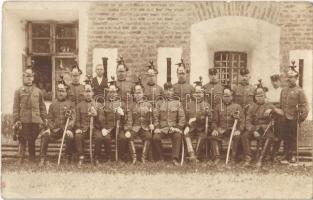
(181, 112)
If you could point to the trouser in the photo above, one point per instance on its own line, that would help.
(216, 140)
(290, 137)
(99, 140)
(144, 135)
(46, 139)
(176, 142)
(199, 136)
(278, 137)
(29, 134)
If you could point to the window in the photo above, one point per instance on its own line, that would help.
(52, 50)
(228, 64)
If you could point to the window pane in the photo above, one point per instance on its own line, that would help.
(40, 30)
(41, 45)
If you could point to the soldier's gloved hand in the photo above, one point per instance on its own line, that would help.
(151, 127)
(69, 133)
(215, 133)
(79, 131)
(120, 111)
(177, 130)
(92, 112)
(267, 112)
(192, 120)
(157, 131)
(236, 132)
(104, 132)
(187, 130)
(127, 134)
(256, 134)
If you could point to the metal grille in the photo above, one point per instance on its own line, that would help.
(228, 64)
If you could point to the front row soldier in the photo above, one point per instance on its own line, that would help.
(198, 110)
(29, 113)
(108, 117)
(139, 123)
(169, 123)
(223, 120)
(259, 125)
(295, 108)
(58, 113)
(84, 111)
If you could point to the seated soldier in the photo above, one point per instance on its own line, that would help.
(196, 115)
(85, 110)
(223, 120)
(59, 112)
(108, 118)
(139, 123)
(258, 125)
(169, 122)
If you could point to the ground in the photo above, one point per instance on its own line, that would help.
(156, 180)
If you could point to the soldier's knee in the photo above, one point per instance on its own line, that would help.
(156, 137)
(176, 136)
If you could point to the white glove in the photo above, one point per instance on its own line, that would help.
(192, 120)
(104, 132)
(127, 134)
(120, 111)
(78, 131)
(151, 127)
(157, 131)
(172, 129)
(236, 132)
(256, 134)
(267, 112)
(186, 131)
(69, 134)
(215, 133)
(92, 111)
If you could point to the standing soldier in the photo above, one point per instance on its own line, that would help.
(76, 90)
(124, 86)
(170, 121)
(99, 82)
(196, 115)
(182, 88)
(84, 111)
(152, 90)
(295, 107)
(223, 120)
(258, 124)
(29, 113)
(214, 88)
(139, 123)
(58, 113)
(108, 117)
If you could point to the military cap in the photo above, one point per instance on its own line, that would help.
(168, 85)
(121, 66)
(212, 71)
(260, 89)
(112, 84)
(182, 67)
(151, 69)
(76, 70)
(244, 71)
(28, 71)
(227, 91)
(292, 70)
(275, 77)
(61, 84)
(88, 83)
(138, 85)
(199, 82)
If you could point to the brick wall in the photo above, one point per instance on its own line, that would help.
(137, 29)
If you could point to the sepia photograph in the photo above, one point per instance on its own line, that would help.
(156, 99)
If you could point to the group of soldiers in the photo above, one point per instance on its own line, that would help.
(120, 111)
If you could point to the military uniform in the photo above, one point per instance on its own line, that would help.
(181, 89)
(215, 90)
(198, 110)
(29, 110)
(153, 91)
(56, 122)
(223, 120)
(107, 118)
(138, 120)
(169, 114)
(75, 93)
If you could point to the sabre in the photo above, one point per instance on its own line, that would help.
(90, 138)
(117, 130)
(298, 128)
(230, 139)
(206, 131)
(186, 101)
(62, 142)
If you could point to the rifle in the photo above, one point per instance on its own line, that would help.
(230, 139)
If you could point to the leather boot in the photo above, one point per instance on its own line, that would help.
(80, 161)
(145, 151)
(21, 152)
(192, 156)
(132, 151)
(158, 148)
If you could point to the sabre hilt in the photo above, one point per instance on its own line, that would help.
(68, 113)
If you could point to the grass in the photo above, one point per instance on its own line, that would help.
(155, 180)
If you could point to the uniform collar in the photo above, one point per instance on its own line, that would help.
(181, 82)
(150, 84)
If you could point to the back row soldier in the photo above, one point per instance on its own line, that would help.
(152, 90)
(29, 114)
(214, 89)
(76, 89)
